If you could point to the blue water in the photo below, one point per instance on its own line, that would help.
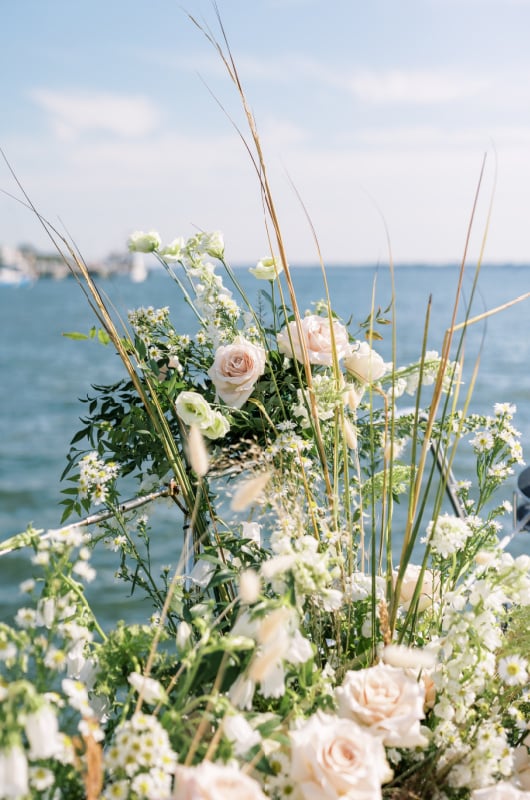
(43, 375)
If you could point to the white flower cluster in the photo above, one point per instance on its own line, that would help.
(447, 534)
(140, 760)
(95, 476)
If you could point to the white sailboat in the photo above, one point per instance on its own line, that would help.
(138, 271)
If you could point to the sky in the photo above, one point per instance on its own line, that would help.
(376, 117)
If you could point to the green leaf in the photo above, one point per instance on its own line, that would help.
(75, 335)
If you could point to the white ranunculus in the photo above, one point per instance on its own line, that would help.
(235, 370)
(140, 242)
(150, 690)
(387, 700)
(193, 409)
(333, 757)
(209, 781)
(364, 363)
(429, 587)
(13, 773)
(42, 730)
(267, 269)
(318, 340)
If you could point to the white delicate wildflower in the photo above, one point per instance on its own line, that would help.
(26, 617)
(513, 670)
(84, 571)
(41, 778)
(26, 587)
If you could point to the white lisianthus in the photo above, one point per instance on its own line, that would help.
(240, 733)
(218, 427)
(333, 757)
(387, 700)
(150, 690)
(235, 370)
(208, 781)
(173, 250)
(13, 773)
(321, 336)
(365, 364)
(140, 242)
(42, 730)
(212, 244)
(193, 409)
(267, 269)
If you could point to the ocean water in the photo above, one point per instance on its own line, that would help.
(43, 375)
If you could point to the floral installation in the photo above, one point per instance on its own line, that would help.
(339, 619)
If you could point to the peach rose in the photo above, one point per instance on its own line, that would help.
(333, 757)
(316, 334)
(235, 370)
(209, 781)
(408, 587)
(364, 363)
(387, 700)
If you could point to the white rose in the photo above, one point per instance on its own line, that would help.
(235, 370)
(193, 409)
(267, 269)
(316, 334)
(408, 587)
(209, 781)
(386, 700)
(140, 242)
(333, 757)
(365, 364)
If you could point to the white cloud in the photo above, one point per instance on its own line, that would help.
(74, 113)
(414, 86)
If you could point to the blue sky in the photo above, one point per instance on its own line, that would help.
(378, 112)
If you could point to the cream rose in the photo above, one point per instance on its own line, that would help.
(364, 363)
(408, 587)
(210, 781)
(499, 791)
(235, 370)
(316, 334)
(333, 757)
(387, 700)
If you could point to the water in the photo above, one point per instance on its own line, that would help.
(43, 375)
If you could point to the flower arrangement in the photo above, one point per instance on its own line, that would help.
(311, 639)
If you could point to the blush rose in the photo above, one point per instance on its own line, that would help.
(317, 337)
(235, 370)
(209, 781)
(333, 757)
(387, 700)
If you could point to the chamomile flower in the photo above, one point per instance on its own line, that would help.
(513, 670)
